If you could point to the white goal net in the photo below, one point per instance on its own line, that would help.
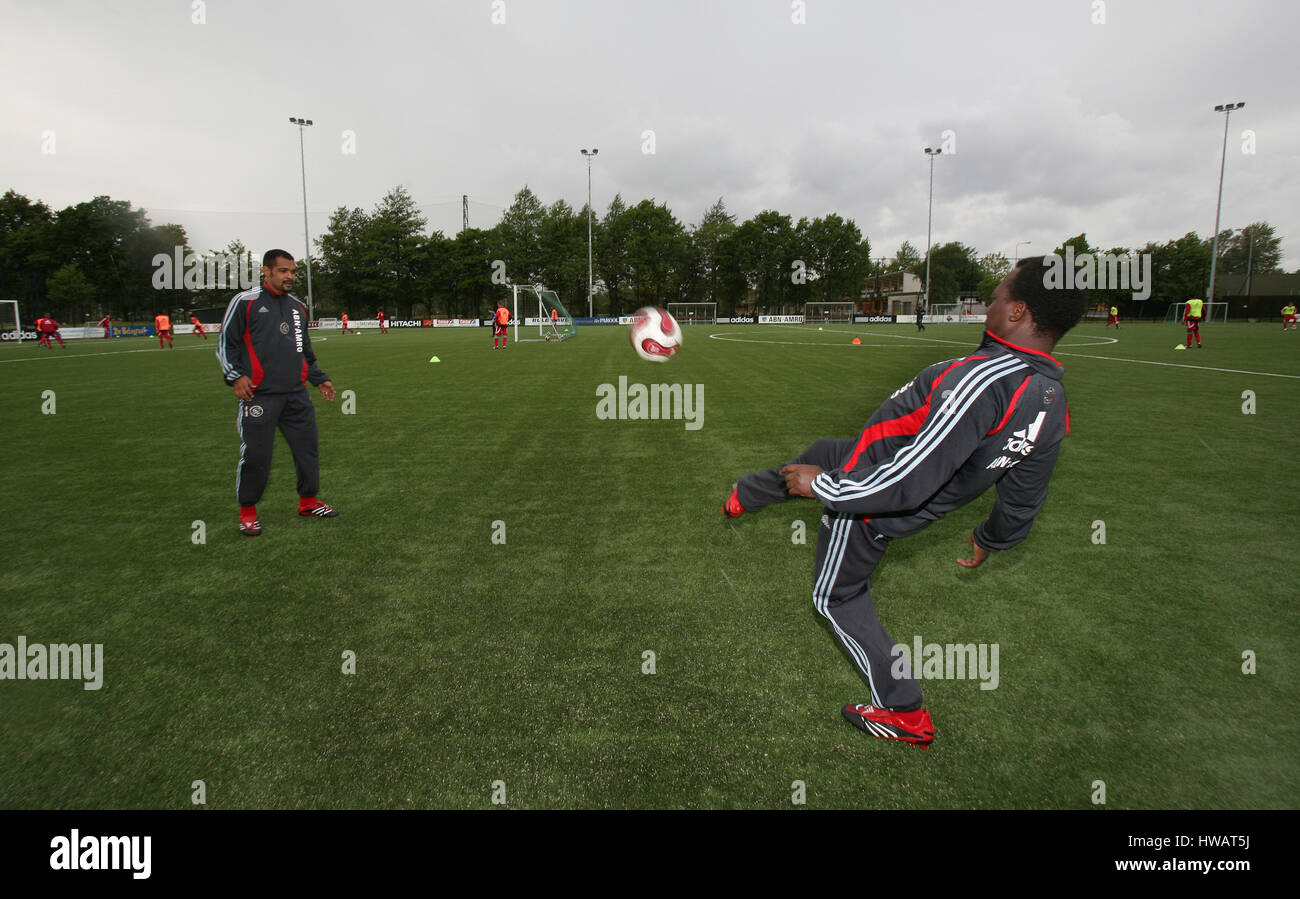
(1213, 312)
(694, 313)
(536, 307)
(16, 335)
(827, 313)
(943, 312)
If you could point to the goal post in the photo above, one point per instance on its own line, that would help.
(553, 321)
(828, 313)
(18, 322)
(694, 313)
(1216, 311)
(943, 312)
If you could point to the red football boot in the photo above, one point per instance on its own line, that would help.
(909, 727)
(311, 506)
(732, 507)
(249, 526)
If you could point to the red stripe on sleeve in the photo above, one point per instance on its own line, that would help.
(248, 343)
(904, 425)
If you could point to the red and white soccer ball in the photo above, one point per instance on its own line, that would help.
(655, 334)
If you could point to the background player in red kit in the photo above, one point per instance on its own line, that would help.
(345, 326)
(164, 325)
(47, 327)
(107, 325)
(198, 327)
(1192, 315)
(383, 322)
(499, 322)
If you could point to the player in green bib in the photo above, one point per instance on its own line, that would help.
(1193, 315)
(1114, 317)
(1288, 316)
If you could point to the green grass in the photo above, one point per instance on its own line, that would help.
(522, 662)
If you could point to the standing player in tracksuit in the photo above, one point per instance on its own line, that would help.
(266, 356)
(994, 417)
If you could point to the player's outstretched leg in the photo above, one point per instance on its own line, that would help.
(848, 550)
(762, 488)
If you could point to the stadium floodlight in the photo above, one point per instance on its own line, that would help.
(929, 218)
(590, 156)
(304, 123)
(1020, 244)
(1226, 109)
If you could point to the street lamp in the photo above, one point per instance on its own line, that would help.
(929, 217)
(304, 123)
(1022, 243)
(591, 154)
(1226, 109)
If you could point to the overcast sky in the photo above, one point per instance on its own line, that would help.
(1060, 125)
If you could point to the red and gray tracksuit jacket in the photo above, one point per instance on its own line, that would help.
(995, 417)
(264, 336)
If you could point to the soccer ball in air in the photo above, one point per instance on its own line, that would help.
(655, 334)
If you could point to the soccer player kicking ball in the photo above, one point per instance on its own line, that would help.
(107, 324)
(266, 357)
(1288, 316)
(499, 322)
(994, 418)
(198, 327)
(163, 324)
(1192, 316)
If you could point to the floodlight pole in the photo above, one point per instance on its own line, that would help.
(929, 218)
(303, 123)
(1016, 261)
(1226, 109)
(590, 156)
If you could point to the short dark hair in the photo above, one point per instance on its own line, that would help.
(1055, 310)
(269, 257)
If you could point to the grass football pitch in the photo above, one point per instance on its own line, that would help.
(546, 606)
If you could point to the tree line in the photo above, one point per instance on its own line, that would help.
(98, 257)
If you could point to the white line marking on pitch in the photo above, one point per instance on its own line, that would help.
(112, 353)
(726, 336)
(1108, 340)
(1234, 371)
(1212, 452)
